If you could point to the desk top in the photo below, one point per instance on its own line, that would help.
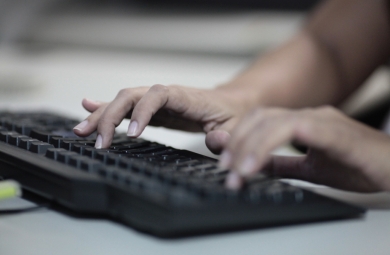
(49, 232)
(58, 80)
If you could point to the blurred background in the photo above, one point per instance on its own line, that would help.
(207, 26)
(55, 52)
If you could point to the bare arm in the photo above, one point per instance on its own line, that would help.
(341, 44)
(339, 47)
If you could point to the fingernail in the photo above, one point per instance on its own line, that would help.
(247, 167)
(91, 100)
(225, 159)
(233, 181)
(99, 141)
(132, 128)
(81, 126)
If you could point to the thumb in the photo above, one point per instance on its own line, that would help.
(216, 140)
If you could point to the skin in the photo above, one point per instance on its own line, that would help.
(339, 47)
(342, 153)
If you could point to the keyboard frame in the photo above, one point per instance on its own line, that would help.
(87, 193)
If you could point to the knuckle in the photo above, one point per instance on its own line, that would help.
(258, 112)
(124, 92)
(105, 123)
(159, 88)
(305, 128)
(307, 124)
(327, 110)
(308, 111)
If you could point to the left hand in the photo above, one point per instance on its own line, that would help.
(343, 153)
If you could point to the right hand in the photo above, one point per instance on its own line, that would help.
(211, 111)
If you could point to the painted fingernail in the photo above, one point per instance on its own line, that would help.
(247, 167)
(81, 126)
(99, 141)
(233, 181)
(132, 128)
(225, 159)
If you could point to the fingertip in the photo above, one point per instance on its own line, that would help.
(99, 142)
(90, 105)
(80, 127)
(248, 166)
(133, 128)
(216, 140)
(102, 142)
(225, 160)
(84, 128)
(233, 181)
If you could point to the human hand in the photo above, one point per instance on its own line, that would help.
(176, 107)
(342, 153)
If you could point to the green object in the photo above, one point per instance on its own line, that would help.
(9, 189)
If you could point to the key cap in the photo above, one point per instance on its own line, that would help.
(25, 143)
(91, 165)
(79, 148)
(146, 150)
(104, 155)
(274, 192)
(15, 139)
(205, 167)
(130, 146)
(64, 156)
(75, 160)
(39, 147)
(25, 127)
(8, 124)
(43, 136)
(4, 135)
(52, 153)
(212, 173)
(68, 144)
(92, 152)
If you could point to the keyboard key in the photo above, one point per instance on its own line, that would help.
(4, 135)
(52, 153)
(39, 147)
(64, 156)
(15, 139)
(160, 189)
(25, 143)
(40, 135)
(79, 148)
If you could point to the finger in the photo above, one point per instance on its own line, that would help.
(234, 181)
(334, 134)
(287, 167)
(114, 113)
(278, 166)
(89, 125)
(91, 105)
(157, 97)
(255, 150)
(241, 130)
(245, 130)
(216, 140)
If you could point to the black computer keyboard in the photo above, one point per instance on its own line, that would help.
(149, 186)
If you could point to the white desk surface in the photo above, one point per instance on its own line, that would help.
(58, 80)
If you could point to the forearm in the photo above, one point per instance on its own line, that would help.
(300, 73)
(341, 44)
